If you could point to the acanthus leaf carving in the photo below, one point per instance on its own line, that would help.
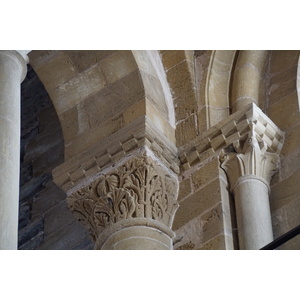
(138, 189)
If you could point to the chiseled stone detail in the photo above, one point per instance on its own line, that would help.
(251, 158)
(140, 188)
(249, 167)
(139, 134)
(226, 133)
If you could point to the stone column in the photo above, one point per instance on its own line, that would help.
(249, 171)
(12, 72)
(132, 206)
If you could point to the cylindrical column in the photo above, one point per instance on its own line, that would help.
(12, 73)
(251, 196)
(136, 234)
(249, 171)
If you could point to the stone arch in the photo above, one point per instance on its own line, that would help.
(282, 89)
(217, 89)
(96, 93)
(179, 67)
(248, 83)
(155, 82)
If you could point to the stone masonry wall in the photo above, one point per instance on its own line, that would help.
(203, 219)
(282, 107)
(45, 222)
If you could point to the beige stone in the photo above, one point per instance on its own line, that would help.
(248, 77)
(38, 58)
(285, 219)
(279, 90)
(186, 131)
(249, 170)
(83, 60)
(171, 58)
(205, 174)
(118, 65)
(185, 110)
(282, 60)
(134, 111)
(138, 238)
(70, 120)
(217, 243)
(285, 112)
(285, 191)
(161, 122)
(199, 201)
(55, 71)
(184, 107)
(212, 223)
(180, 80)
(189, 234)
(138, 190)
(217, 114)
(75, 90)
(184, 189)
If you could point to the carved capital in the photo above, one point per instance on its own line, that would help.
(251, 159)
(138, 189)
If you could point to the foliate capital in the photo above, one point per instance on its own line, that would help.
(139, 189)
(250, 158)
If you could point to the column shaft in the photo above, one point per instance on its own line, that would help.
(253, 213)
(12, 67)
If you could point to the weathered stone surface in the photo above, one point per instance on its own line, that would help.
(42, 150)
(212, 223)
(284, 113)
(118, 65)
(286, 218)
(282, 85)
(186, 130)
(185, 188)
(36, 227)
(188, 235)
(200, 201)
(206, 173)
(185, 106)
(103, 94)
(217, 243)
(285, 192)
(83, 60)
(140, 188)
(52, 68)
(171, 58)
(282, 60)
(72, 237)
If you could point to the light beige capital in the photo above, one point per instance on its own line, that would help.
(251, 161)
(130, 207)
